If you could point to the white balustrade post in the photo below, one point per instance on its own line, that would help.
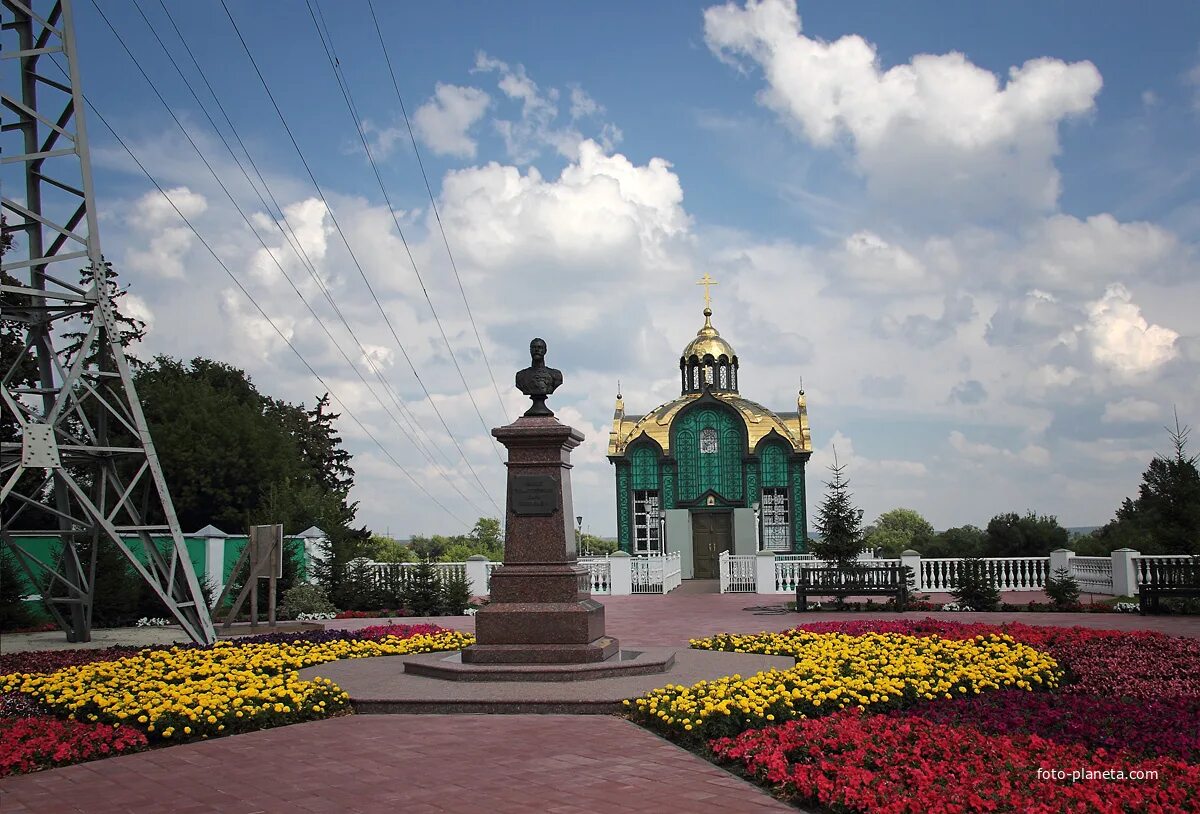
(1060, 558)
(764, 572)
(912, 559)
(620, 581)
(1124, 576)
(214, 557)
(476, 567)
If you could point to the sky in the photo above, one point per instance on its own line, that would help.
(968, 231)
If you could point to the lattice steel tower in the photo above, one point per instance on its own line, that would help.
(77, 459)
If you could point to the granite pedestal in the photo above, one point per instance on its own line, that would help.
(541, 610)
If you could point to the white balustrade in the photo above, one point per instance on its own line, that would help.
(600, 573)
(1142, 563)
(1094, 574)
(737, 572)
(672, 573)
(1007, 573)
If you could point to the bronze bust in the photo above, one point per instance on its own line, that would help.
(538, 381)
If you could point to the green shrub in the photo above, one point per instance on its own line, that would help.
(14, 613)
(304, 598)
(974, 587)
(357, 589)
(1063, 589)
(422, 594)
(456, 594)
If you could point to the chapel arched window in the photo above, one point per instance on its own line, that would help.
(724, 377)
(708, 441)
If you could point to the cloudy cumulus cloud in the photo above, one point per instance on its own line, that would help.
(444, 122)
(936, 128)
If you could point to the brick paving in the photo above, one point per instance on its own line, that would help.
(415, 764)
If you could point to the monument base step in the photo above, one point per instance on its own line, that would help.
(624, 663)
(597, 650)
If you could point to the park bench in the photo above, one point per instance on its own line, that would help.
(1169, 578)
(875, 580)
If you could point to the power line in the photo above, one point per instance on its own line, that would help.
(349, 250)
(348, 97)
(298, 248)
(260, 310)
(266, 248)
(433, 204)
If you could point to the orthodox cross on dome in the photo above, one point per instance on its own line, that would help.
(707, 281)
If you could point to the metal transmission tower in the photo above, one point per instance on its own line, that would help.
(77, 460)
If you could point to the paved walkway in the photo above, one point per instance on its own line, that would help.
(415, 764)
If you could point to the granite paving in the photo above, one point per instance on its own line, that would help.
(457, 764)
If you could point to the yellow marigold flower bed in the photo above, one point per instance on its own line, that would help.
(186, 693)
(834, 671)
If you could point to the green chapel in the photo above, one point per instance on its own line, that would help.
(710, 471)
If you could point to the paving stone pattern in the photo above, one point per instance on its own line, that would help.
(414, 764)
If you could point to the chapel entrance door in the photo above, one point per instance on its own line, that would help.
(712, 533)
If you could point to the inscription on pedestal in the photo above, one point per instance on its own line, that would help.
(533, 495)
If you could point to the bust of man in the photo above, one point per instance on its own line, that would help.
(538, 381)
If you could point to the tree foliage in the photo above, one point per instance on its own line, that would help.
(838, 522)
(234, 457)
(1165, 516)
(960, 541)
(897, 530)
(484, 538)
(1034, 535)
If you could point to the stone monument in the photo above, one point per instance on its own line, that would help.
(542, 611)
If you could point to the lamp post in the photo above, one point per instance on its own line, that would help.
(579, 534)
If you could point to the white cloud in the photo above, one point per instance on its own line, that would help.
(1192, 78)
(938, 127)
(583, 105)
(598, 205)
(443, 122)
(1130, 409)
(526, 137)
(164, 239)
(1064, 253)
(261, 341)
(871, 263)
(1031, 454)
(1122, 339)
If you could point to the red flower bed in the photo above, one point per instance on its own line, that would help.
(371, 614)
(1113, 724)
(38, 742)
(855, 762)
(47, 661)
(377, 632)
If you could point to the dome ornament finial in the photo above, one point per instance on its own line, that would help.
(707, 281)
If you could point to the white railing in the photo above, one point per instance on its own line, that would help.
(1143, 562)
(489, 568)
(672, 573)
(392, 576)
(1094, 574)
(1007, 573)
(600, 572)
(655, 574)
(737, 573)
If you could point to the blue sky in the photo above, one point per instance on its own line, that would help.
(970, 229)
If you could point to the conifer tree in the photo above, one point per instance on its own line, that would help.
(838, 521)
(423, 595)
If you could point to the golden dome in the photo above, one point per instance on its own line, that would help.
(708, 341)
